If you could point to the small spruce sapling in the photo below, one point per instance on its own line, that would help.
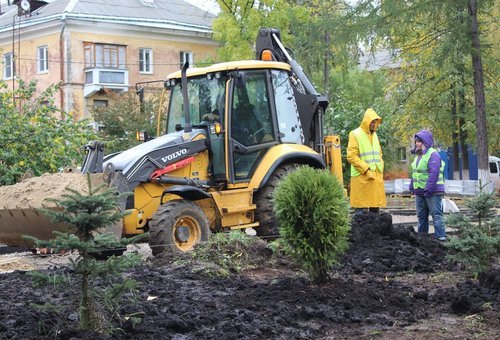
(476, 245)
(87, 215)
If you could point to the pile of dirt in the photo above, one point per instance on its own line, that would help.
(378, 247)
(391, 283)
(33, 192)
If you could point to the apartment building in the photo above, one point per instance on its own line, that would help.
(92, 47)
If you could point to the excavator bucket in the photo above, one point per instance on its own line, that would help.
(14, 223)
(20, 204)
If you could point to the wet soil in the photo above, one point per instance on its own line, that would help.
(391, 284)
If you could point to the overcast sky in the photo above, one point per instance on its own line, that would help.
(211, 5)
(207, 5)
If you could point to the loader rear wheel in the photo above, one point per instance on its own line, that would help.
(177, 226)
(264, 214)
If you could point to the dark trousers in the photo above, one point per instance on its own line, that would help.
(361, 210)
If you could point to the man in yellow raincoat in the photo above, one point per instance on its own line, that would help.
(367, 166)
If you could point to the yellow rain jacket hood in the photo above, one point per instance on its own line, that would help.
(367, 187)
(370, 115)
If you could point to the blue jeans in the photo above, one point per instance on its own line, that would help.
(430, 205)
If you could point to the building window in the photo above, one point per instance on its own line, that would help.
(8, 65)
(493, 168)
(43, 59)
(100, 103)
(145, 60)
(105, 55)
(402, 154)
(187, 56)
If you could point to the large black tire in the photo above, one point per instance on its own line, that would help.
(264, 214)
(177, 226)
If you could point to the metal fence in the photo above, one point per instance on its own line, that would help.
(452, 187)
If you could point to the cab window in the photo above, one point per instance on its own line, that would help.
(206, 102)
(252, 122)
(289, 126)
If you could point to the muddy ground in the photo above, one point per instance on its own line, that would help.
(391, 284)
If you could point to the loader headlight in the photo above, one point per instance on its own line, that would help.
(216, 128)
(141, 136)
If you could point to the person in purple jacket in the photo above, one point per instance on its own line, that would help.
(427, 183)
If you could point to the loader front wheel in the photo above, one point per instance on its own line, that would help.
(177, 226)
(264, 214)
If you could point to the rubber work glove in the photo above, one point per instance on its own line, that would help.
(370, 174)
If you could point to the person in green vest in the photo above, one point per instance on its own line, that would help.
(427, 184)
(367, 166)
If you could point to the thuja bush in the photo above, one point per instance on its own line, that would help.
(477, 241)
(313, 217)
(101, 283)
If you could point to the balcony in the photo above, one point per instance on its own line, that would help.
(105, 78)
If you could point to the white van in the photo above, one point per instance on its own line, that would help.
(495, 171)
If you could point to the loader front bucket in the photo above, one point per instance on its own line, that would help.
(20, 204)
(14, 223)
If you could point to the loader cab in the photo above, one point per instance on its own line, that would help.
(207, 96)
(263, 114)
(255, 107)
(252, 123)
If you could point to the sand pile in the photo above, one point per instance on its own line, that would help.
(33, 192)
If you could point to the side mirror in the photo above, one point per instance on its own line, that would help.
(241, 80)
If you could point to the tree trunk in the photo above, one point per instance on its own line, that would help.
(462, 134)
(326, 65)
(479, 96)
(86, 311)
(88, 319)
(455, 137)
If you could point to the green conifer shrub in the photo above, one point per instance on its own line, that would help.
(313, 217)
(87, 214)
(477, 240)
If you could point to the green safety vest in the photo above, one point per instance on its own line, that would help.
(368, 152)
(420, 173)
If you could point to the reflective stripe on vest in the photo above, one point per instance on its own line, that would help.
(368, 152)
(420, 173)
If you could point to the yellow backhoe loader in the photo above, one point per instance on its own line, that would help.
(234, 130)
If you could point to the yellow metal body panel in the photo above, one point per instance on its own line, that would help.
(133, 222)
(235, 206)
(241, 185)
(271, 156)
(211, 212)
(227, 127)
(147, 195)
(333, 156)
(232, 65)
(244, 226)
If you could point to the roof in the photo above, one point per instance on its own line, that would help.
(383, 59)
(154, 13)
(232, 65)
